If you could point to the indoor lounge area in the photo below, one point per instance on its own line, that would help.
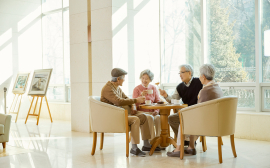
(134, 83)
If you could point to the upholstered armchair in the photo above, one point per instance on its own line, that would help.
(106, 118)
(5, 122)
(215, 118)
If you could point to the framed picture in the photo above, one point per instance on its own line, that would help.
(40, 82)
(20, 83)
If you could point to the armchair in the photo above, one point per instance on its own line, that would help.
(106, 118)
(5, 122)
(212, 118)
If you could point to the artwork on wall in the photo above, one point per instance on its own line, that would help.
(40, 82)
(20, 83)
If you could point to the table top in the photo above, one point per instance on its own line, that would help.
(161, 106)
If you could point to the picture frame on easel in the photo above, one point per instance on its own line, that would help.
(40, 82)
(20, 83)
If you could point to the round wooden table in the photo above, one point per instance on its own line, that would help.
(164, 139)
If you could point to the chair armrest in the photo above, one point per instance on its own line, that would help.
(107, 118)
(6, 121)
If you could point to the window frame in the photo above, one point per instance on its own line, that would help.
(65, 86)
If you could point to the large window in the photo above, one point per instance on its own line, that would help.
(231, 39)
(55, 35)
(265, 26)
(181, 37)
(223, 33)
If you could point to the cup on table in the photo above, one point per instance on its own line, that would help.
(176, 101)
(150, 91)
(148, 102)
(172, 101)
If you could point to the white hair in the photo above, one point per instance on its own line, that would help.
(149, 73)
(188, 68)
(208, 70)
(114, 79)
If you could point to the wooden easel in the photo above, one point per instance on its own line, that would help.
(34, 114)
(13, 106)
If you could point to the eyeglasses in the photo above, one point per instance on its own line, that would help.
(182, 72)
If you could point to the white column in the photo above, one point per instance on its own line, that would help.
(80, 76)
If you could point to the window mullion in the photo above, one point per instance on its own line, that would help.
(258, 56)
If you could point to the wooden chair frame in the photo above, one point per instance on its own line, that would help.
(102, 138)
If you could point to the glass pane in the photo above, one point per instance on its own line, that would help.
(53, 46)
(48, 5)
(65, 3)
(56, 93)
(231, 39)
(66, 47)
(265, 26)
(246, 97)
(266, 99)
(182, 38)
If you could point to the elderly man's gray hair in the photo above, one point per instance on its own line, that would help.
(149, 73)
(208, 70)
(187, 67)
(114, 79)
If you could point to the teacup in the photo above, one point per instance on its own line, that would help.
(148, 102)
(176, 101)
(150, 91)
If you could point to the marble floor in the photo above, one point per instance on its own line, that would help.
(54, 145)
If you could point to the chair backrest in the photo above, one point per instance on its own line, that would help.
(105, 117)
(212, 118)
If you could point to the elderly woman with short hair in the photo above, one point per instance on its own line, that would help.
(210, 91)
(153, 116)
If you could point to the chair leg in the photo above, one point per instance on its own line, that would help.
(127, 144)
(220, 149)
(204, 143)
(94, 143)
(233, 145)
(182, 146)
(101, 140)
(200, 138)
(4, 144)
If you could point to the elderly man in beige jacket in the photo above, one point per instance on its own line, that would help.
(112, 94)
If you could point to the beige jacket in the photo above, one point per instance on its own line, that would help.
(210, 92)
(115, 96)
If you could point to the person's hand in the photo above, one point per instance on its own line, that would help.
(140, 99)
(155, 113)
(144, 93)
(163, 93)
(133, 112)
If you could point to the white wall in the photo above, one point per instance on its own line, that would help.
(21, 51)
(20, 43)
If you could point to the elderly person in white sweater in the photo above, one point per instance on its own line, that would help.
(210, 91)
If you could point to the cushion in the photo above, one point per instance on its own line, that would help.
(2, 129)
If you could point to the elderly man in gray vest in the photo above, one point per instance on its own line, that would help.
(187, 90)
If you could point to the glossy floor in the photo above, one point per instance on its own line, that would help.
(54, 145)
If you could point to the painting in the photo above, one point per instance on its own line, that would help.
(20, 83)
(40, 82)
